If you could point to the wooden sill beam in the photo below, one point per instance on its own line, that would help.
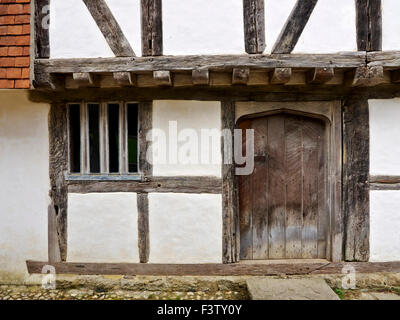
(140, 269)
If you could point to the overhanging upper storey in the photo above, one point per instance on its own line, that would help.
(368, 66)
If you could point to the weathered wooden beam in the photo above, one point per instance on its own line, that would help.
(365, 76)
(53, 246)
(200, 76)
(356, 179)
(281, 75)
(254, 26)
(230, 212)
(152, 32)
(41, 28)
(384, 182)
(212, 269)
(207, 185)
(145, 124)
(162, 78)
(84, 150)
(348, 60)
(240, 76)
(58, 167)
(109, 27)
(320, 75)
(124, 79)
(294, 26)
(143, 227)
(369, 25)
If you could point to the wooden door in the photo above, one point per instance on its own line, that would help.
(283, 204)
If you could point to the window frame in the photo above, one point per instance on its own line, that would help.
(123, 150)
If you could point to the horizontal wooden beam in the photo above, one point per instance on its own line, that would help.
(384, 182)
(211, 185)
(348, 60)
(140, 269)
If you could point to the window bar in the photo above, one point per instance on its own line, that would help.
(104, 152)
(123, 140)
(85, 154)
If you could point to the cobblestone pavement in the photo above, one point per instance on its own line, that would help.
(38, 293)
(12, 292)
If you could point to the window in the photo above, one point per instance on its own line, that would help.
(103, 140)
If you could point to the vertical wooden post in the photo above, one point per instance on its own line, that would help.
(145, 125)
(143, 227)
(369, 25)
(104, 153)
(254, 26)
(230, 246)
(356, 179)
(152, 31)
(58, 167)
(123, 139)
(85, 153)
(41, 29)
(146, 169)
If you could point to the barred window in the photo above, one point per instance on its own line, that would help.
(103, 140)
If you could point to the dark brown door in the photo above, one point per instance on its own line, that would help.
(283, 203)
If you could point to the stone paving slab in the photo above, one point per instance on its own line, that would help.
(290, 289)
(385, 296)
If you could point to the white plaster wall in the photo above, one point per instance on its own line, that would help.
(390, 24)
(331, 27)
(74, 33)
(185, 228)
(192, 27)
(24, 182)
(195, 115)
(385, 226)
(102, 227)
(385, 137)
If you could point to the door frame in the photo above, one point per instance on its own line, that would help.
(330, 112)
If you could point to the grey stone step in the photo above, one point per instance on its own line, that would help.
(289, 289)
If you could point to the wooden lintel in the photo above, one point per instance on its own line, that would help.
(240, 76)
(110, 28)
(366, 76)
(84, 79)
(294, 26)
(139, 269)
(200, 76)
(162, 78)
(254, 26)
(384, 182)
(124, 79)
(281, 75)
(320, 75)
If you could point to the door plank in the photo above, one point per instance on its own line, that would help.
(311, 130)
(323, 207)
(259, 190)
(245, 206)
(294, 188)
(276, 187)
